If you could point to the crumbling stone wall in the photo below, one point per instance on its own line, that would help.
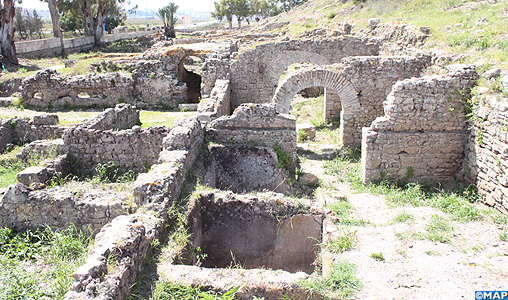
(217, 66)
(48, 88)
(180, 149)
(133, 149)
(257, 71)
(123, 116)
(22, 208)
(485, 163)
(422, 135)
(218, 104)
(255, 124)
(360, 86)
(23, 130)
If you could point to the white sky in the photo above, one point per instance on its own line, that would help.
(198, 5)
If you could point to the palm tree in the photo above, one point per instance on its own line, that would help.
(168, 16)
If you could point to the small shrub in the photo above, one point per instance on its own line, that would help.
(503, 236)
(331, 15)
(302, 135)
(377, 256)
(283, 157)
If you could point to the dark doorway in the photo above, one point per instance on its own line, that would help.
(188, 71)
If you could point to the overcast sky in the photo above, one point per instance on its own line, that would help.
(198, 5)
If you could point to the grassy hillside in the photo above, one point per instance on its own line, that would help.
(476, 28)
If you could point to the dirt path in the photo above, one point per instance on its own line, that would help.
(474, 259)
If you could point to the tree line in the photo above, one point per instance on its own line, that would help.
(251, 9)
(90, 17)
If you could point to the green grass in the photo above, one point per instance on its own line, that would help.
(344, 212)
(165, 290)
(9, 167)
(503, 236)
(161, 118)
(37, 264)
(403, 217)
(345, 241)
(432, 253)
(341, 281)
(438, 230)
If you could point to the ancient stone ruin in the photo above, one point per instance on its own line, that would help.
(243, 140)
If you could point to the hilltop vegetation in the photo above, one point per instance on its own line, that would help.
(476, 28)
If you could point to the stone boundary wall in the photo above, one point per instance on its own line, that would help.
(255, 124)
(133, 149)
(421, 138)
(23, 130)
(22, 208)
(53, 46)
(218, 104)
(486, 162)
(257, 71)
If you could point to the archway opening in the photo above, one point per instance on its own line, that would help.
(189, 71)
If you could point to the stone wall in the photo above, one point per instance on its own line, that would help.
(485, 163)
(123, 116)
(47, 88)
(217, 66)
(255, 125)
(23, 130)
(133, 149)
(22, 208)
(257, 71)
(218, 104)
(127, 240)
(53, 46)
(422, 135)
(359, 84)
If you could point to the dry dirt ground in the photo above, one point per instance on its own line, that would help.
(474, 260)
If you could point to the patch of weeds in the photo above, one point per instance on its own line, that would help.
(166, 290)
(404, 235)
(341, 281)
(377, 256)
(503, 236)
(343, 211)
(283, 157)
(432, 253)
(331, 16)
(438, 230)
(343, 242)
(403, 217)
(57, 254)
(302, 135)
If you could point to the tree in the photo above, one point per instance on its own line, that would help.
(241, 10)
(168, 16)
(71, 22)
(224, 8)
(93, 13)
(7, 47)
(287, 5)
(55, 17)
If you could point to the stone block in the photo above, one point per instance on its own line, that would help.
(309, 131)
(32, 175)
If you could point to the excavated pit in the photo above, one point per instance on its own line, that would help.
(254, 231)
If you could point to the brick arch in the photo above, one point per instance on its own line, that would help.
(329, 79)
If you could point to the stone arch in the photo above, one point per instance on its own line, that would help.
(316, 77)
(328, 79)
